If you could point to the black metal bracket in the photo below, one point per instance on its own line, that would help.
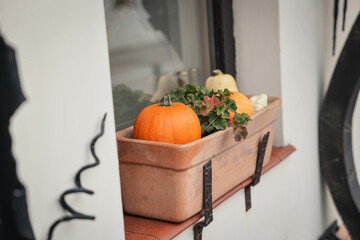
(258, 169)
(207, 201)
(207, 188)
(330, 232)
(247, 198)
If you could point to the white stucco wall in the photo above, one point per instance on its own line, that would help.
(300, 57)
(62, 55)
(63, 62)
(256, 30)
(283, 47)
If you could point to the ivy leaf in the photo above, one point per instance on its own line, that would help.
(231, 105)
(203, 126)
(238, 124)
(178, 92)
(221, 111)
(241, 119)
(198, 102)
(211, 117)
(204, 110)
(226, 92)
(208, 104)
(240, 133)
(194, 100)
(203, 90)
(178, 95)
(210, 129)
(220, 124)
(212, 109)
(190, 88)
(211, 102)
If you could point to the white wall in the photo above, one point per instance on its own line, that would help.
(62, 55)
(276, 212)
(300, 54)
(283, 47)
(256, 30)
(63, 62)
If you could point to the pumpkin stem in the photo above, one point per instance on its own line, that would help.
(166, 101)
(218, 72)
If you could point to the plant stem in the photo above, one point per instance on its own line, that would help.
(217, 72)
(209, 125)
(166, 101)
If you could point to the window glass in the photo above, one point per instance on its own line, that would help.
(154, 47)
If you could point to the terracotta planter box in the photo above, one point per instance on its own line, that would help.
(164, 181)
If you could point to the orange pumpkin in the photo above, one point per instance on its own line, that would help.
(167, 122)
(243, 104)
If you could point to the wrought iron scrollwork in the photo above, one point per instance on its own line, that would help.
(79, 188)
(335, 15)
(335, 134)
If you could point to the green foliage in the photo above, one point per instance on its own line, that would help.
(128, 104)
(212, 109)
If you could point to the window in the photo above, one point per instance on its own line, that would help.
(154, 47)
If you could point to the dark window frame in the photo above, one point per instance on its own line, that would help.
(221, 35)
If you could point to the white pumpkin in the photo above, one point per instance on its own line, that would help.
(221, 81)
(259, 101)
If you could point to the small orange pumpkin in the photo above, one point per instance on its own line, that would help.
(167, 122)
(243, 104)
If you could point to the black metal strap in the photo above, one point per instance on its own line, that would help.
(207, 201)
(258, 169)
(330, 232)
(248, 197)
(260, 159)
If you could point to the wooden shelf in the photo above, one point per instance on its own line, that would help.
(139, 228)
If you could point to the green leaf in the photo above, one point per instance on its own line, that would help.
(178, 92)
(211, 117)
(198, 102)
(204, 110)
(240, 133)
(203, 90)
(220, 124)
(226, 92)
(221, 111)
(210, 129)
(190, 88)
(241, 119)
(203, 126)
(231, 105)
(212, 108)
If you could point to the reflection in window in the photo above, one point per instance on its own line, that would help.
(154, 47)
